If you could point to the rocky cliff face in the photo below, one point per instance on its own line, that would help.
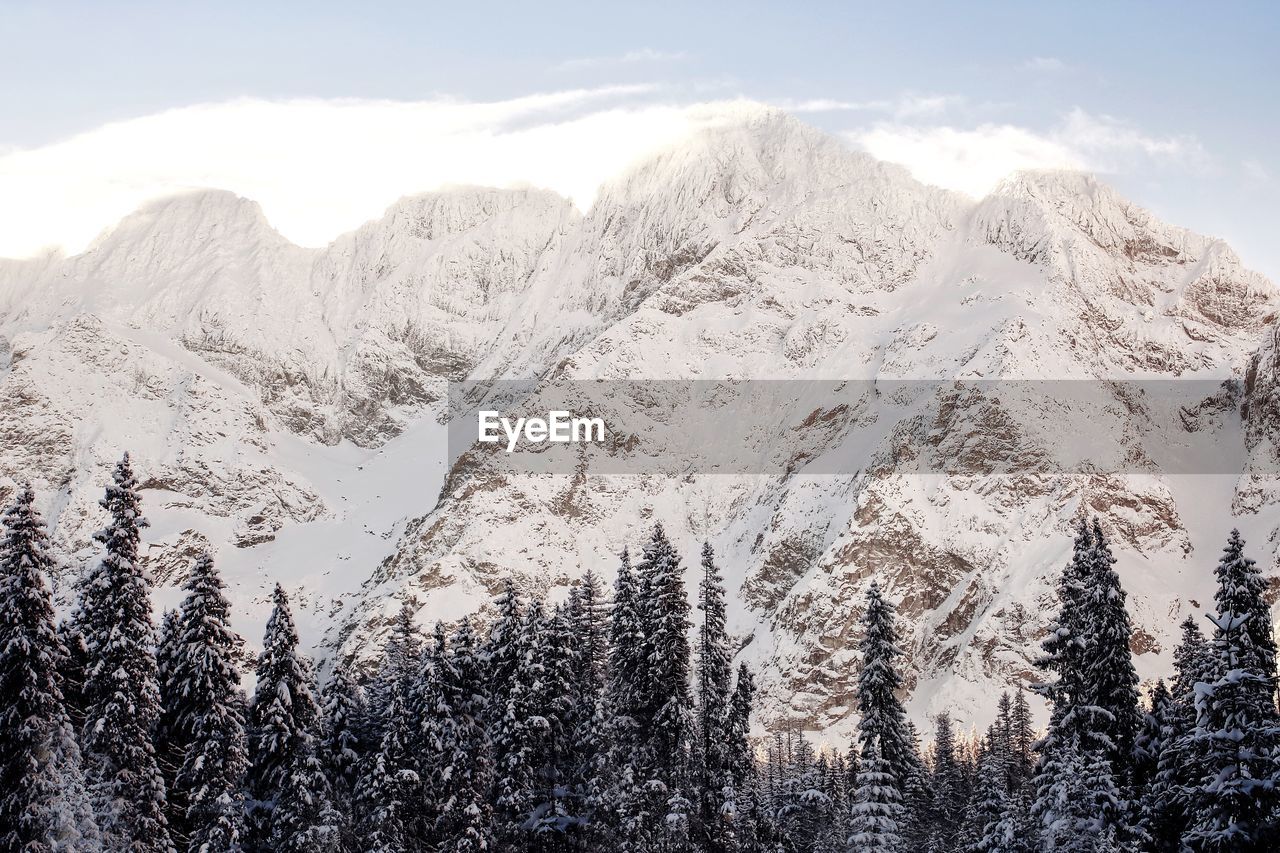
(291, 396)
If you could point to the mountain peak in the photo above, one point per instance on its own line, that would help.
(200, 215)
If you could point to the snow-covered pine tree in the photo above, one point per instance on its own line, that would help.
(1148, 750)
(715, 675)
(999, 740)
(882, 727)
(1113, 716)
(1150, 741)
(1064, 648)
(802, 810)
(401, 664)
(836, 785)
(668, 720)
(122, 698)
(169, 745)
(553, 710)
(950, 798)
(1241, 590)
(744, 809)
(624, 806)
(516, 737)
(502, 651)
(1088, 705)
(44, 805)
(587, 611)
(876, 814)
(1072, 818)
(1235, 805)
(305, 819)
(389, 791)
(1021, 760)
(588, 718)
(282, 718)
(988, 824)
(73, 667)
(464, 823)
(343, 748)
(205, 714)
(592, 779)
(1179, 766)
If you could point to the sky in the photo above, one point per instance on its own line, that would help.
(325, 113)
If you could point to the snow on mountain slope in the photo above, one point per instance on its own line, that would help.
(343, 342)
(283, 402)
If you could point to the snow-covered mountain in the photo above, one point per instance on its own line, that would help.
(283, 403)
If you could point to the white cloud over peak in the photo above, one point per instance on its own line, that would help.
(319, 168)
(973, 160)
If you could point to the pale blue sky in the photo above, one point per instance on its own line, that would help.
(1175, 103)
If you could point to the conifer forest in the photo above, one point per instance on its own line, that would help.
(614, 720)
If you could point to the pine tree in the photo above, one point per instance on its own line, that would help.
(388, 791)
(122, 699)
(877, 805)
(587, 723)
(205, 714)
(169, 744)
(1179, 764)
(281, 719)
(949, 795)
(343, 748)
(1021, 761)
(304, 818)
(1150, 741)
(1235, 806)
(553, 707)
(44, 806)
(465, 821)
(73, 667)
(623, 805)
(714, 688)
(1241, 590)
(502, 652)
(1071, 804)
(882, 728)
(664, 700)
(744, 809)
(516, 737)
(1064, 648)
(802, 810)
(505, 660)
(591, 779)
(1092, 726)
(990, 819)
(1112, 716)
(401, 663)
(587, 611)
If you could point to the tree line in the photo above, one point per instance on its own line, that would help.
(600, 723)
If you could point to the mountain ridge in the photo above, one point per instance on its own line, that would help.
(273, 394)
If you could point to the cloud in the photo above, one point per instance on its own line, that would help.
(319, 168)
(1256, 172)
(631, 57)
(974, 160)
(902, 108)
(1046, 64)
(971, 161)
